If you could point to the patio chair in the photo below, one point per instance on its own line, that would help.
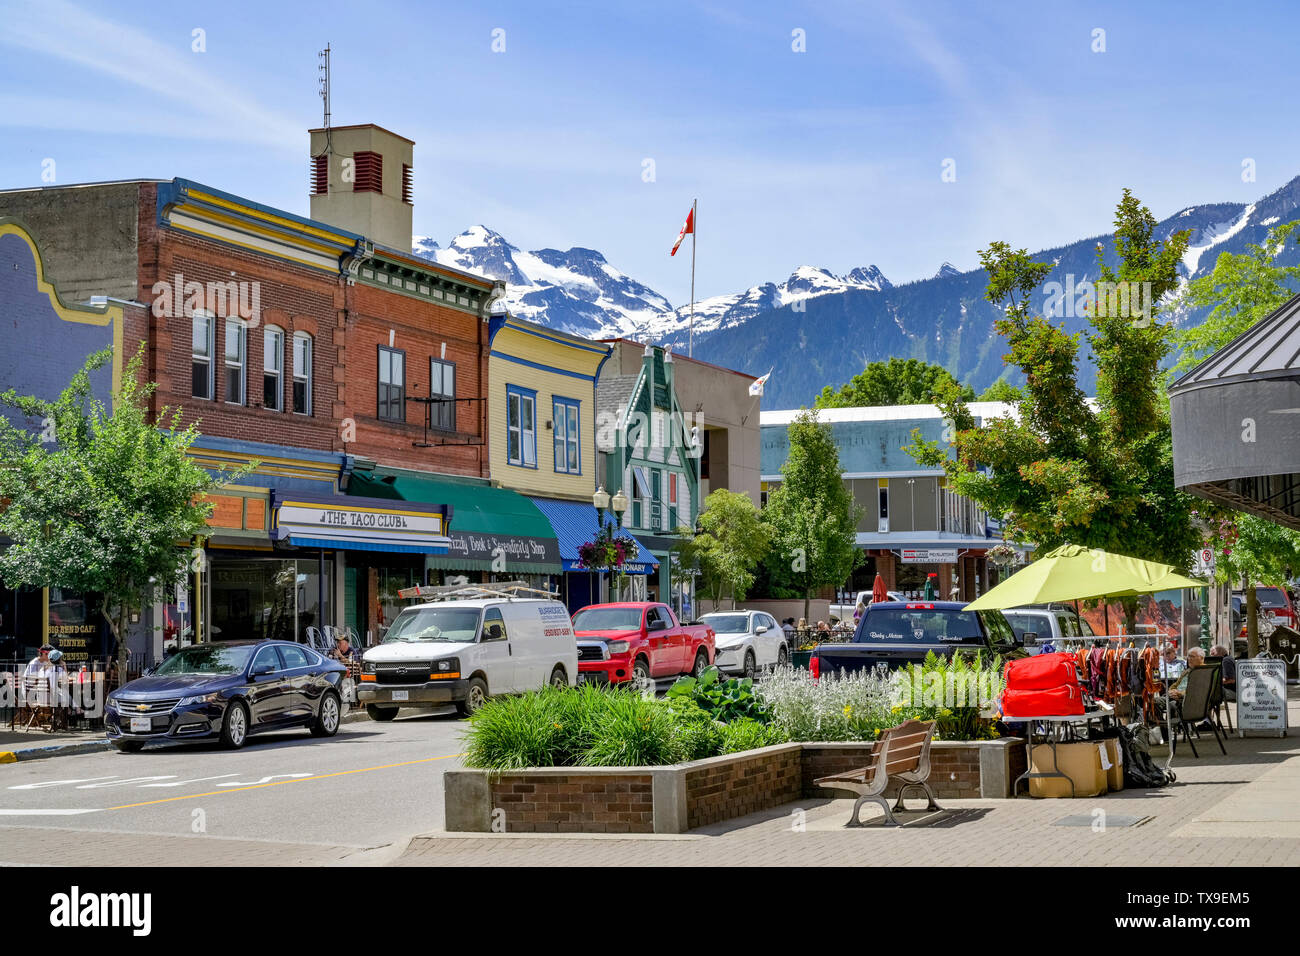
(1219, 708)
(1203, 685)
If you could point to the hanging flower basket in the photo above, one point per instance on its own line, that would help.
(605, 553)
(1003, 555)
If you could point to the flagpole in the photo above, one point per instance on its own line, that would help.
(695, 228)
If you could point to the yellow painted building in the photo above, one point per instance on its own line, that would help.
(542, 410)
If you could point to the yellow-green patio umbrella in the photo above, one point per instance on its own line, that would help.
(1074, 573)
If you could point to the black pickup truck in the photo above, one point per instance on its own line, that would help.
(897, 633)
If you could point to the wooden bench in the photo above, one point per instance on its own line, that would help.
(901, 753)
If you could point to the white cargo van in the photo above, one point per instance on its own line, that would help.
(463, 644)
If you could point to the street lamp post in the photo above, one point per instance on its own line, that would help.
(1205, 620)
(602, 502)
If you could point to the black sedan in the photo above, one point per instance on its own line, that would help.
(228, 690)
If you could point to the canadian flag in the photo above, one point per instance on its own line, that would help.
(689, 227)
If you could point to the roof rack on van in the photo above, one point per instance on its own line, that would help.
(451, 592)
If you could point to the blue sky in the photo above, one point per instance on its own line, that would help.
(830, 157)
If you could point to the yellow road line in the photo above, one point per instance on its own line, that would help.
(277, 783)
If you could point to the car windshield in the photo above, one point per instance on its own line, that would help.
(444, 625)
(920, 625)
(727, 623)
(607, 619)
(1023, 622)
(206, 659)
(1270, 597)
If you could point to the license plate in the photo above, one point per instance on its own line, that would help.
(589, 678)
(401, 695)
(141, 725)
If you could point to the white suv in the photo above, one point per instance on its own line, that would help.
(747, 641)
(464, 651)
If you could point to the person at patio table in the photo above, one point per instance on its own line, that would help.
(858, 611)
(1195, 658)
(344, 651)
(38, 677)
(1171, 666)
(787, 628)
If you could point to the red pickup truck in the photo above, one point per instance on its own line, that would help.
(638, 639)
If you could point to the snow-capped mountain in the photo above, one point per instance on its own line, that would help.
(578, 291)
(844, 321)
(574, 291)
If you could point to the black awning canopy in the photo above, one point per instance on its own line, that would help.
(1236, 421)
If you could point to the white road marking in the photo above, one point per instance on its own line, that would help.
(59, 783)
(126, 782)
(44, 813)
(181, 783)
(274, 776)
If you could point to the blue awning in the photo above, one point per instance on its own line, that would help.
(576, 523)
(330, 545)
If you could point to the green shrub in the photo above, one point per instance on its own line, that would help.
(747, 734)
(633, 732)
(698, 734)
(726, 700)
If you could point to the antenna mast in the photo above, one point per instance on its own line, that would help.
(324, 83)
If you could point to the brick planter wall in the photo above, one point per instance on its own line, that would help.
(682, 797)
(574, 803)
(722, 788)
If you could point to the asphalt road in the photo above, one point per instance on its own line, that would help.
(285, 797)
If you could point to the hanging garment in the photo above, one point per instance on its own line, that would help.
(1097, 671)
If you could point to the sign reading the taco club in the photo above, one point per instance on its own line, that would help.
(360, 521)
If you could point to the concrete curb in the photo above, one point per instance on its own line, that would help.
(352, 716)
(55, 750)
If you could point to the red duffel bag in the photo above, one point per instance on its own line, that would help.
(1063, 701)
(1041, 672)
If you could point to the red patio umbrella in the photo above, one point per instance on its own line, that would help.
(878, 592)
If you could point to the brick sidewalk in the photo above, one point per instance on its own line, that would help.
(1238, 810)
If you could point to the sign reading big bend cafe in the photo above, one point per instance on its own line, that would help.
(324, 521)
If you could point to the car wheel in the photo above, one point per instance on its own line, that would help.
(640, 671)
(750, 667)
(234, 725)
(128, 746)
(783, 656)
(559, 678)
(701, 664)
(375, 712)
(327, 719)
(476, 695)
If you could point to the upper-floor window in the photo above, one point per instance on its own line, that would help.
(236, 360)
(640, 497)
(392, 384)
(273, 369)
(201, 357)
(301, 373)
(442, 384)
(672, 501)
(521, 426)
(568, 454)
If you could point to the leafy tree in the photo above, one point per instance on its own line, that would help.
(732, 541)
(1251, 550)
(1001, 391)
(1067, 470)
(896, 382)
(104, 508)
(812, 514)
(1240, 290)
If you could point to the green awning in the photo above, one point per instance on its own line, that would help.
(486, 523)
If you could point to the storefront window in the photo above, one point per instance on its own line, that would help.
(260, 599)
(74, 626)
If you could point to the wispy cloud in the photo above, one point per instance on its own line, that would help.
(210, 105)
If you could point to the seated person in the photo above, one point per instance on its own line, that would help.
(1195, 658)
